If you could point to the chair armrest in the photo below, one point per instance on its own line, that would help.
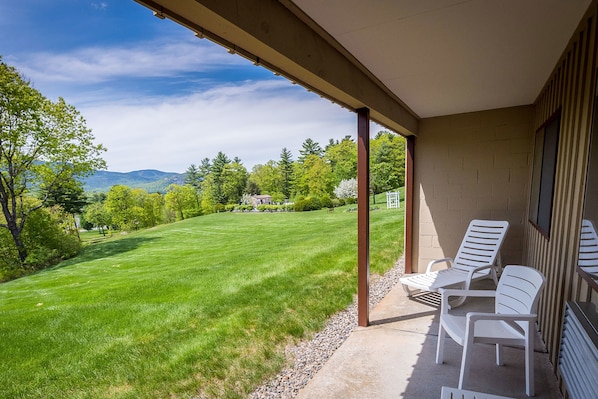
(448, 261)
(472, 271)
(475, 316)
(446, 293)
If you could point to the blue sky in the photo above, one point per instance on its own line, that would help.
(155, 95)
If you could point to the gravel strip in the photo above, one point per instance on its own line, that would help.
(309, 356)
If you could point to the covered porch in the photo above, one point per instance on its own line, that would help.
(394, 358)
(473, 86)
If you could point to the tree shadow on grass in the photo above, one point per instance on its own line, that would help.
(107, 249)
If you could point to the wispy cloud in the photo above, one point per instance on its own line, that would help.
(99, 5)
(141, 60)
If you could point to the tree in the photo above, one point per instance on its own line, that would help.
(193, 177)
(343, 159)
(267, 177)
(310, 147)
(314, 177)
(42, 144)
(180, 199)
(70, 196)
(218, 164)
(97, 215)
(346, 189)
(387, 162)
(285, 165)
(119, 205)
(234, 180)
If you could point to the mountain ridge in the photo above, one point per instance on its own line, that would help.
(151, 180)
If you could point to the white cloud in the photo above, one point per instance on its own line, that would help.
(253, 121)
(142, 60)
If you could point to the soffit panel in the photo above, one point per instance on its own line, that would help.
(448, 56)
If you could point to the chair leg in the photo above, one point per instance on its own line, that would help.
(529, 362)
(494, 275)
(407, 290)
(466, 359)
(499, 358)
(440, 345)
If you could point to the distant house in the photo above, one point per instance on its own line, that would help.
(261, 200)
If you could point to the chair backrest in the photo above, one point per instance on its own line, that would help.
(588, 249)
(518, 290)
(481, 244)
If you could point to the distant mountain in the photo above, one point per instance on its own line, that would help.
(151, 180)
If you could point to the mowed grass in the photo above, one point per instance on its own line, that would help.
(198, 308)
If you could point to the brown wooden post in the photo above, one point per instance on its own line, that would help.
(363, 216)
(409, 183)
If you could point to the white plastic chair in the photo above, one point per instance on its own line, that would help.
(512, 323)
(476, 259)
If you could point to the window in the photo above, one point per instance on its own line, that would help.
(544, 170)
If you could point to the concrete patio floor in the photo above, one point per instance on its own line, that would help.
(395, 357)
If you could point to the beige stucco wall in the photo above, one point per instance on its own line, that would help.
(471, 166)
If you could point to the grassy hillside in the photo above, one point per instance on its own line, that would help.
(204, 306)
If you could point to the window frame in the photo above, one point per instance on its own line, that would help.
(546, 152)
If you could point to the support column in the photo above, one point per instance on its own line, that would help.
(363, 216)
(409, 183)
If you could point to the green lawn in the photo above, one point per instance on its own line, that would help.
(205, 306)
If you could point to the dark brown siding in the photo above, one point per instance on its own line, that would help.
(569, 90)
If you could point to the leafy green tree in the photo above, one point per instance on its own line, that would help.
(147, 208)
(314, 177)
(234, 180)
(154, 208)
(252, 187)
(343, 159)
(180, 199)
(42, 144)
(119, 205)
(96, 214)
(387, 162)
(70, 196)
(267, 177)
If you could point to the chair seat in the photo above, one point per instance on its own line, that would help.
(433, 281)
(454, 393)
(492, 331)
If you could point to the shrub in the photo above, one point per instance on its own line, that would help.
(48, 239)
(326, 202)
(307, 204)
(191, 213)
(350, 200)
(218, 208)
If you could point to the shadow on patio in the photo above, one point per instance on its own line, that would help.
(395, 357)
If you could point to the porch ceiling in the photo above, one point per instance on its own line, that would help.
(445, 57)
(403, 59)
